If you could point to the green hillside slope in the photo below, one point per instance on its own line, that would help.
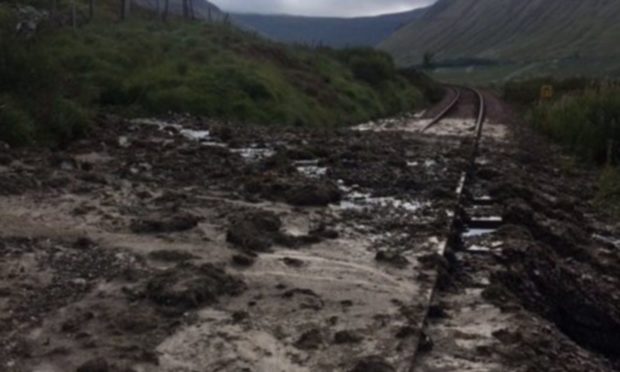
(54, 81)
(334, 32)
(570, 35)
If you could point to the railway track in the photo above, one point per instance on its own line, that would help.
(455, 227)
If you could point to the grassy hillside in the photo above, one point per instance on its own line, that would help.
(55, 81)
(513, 38)
(333, 32)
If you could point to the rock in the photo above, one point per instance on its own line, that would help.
(95, 365)
(123, 142)
(182, 222)
(243, 260)
(239, 316)
(426, 343)
(313, 194)
(170, 255)
(187, 286)
(436, 312)
(5, 159)
(83, 243)
(373, 364)
(324, 232)
(293, 262)
(406, 331)
(311, 339)
(392, 257)
(254, 231)
(347, 337)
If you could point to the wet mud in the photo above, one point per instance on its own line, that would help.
(185, 245)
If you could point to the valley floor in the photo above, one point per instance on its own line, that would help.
(187, 245)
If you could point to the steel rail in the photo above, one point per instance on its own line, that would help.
(444, 112)
(453, 227)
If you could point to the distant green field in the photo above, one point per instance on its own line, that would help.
(500, 74)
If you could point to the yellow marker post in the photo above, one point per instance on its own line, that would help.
(546, 92)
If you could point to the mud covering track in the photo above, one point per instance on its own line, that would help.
(188, 245)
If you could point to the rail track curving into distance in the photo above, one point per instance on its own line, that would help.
(454, 227)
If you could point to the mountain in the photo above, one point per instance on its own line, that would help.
(334, 32)
(529, 34)
(203, 9)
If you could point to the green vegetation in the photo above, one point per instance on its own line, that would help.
(608, 196)
(585, 120)
(585, 124)
(477, 41)
(53, 84)
(527, 92)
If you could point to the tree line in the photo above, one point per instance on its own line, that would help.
(162, 8)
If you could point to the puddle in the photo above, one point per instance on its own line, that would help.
(607, 239)
(310, 168)
(254, 153)
(196, 135)
(478, 249)
(470, 233)
(359, 201)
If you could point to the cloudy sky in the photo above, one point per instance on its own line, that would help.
(340, 8)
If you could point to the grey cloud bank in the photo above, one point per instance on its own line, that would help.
(334, 8)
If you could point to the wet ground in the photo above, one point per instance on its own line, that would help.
(188, 245)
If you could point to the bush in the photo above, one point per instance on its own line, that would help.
(585, 124)
(368, 65)
(608, 196)
(16, 125)
(68, 122)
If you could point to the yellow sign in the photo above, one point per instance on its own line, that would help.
(546, 92)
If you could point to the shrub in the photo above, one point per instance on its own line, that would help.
(585, 124)
(16, 125)
(608, 196)
(368, 65)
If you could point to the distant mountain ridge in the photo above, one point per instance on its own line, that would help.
(327, 31)
(511, 30)
(202, 9)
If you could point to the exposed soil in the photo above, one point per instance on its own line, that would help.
(188, 245)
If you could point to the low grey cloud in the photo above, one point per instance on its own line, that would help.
(335, 8)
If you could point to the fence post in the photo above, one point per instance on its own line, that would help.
(73, 15)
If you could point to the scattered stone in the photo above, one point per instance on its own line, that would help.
(123, 142)
(95, 365)
(373, 364)
(316, 194)
(243, 260)
(239, 316)
(392, 257)
(182, 222)
(254, 231)
(83, 243)
(436, 312)
(293, 262)
(406, 331)
(311, 339)
(347, 337)
(187, 286)
(170, 255)
(425, 344)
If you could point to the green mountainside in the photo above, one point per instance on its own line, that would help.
(56, 78)
(514, 38)
(333, 32)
